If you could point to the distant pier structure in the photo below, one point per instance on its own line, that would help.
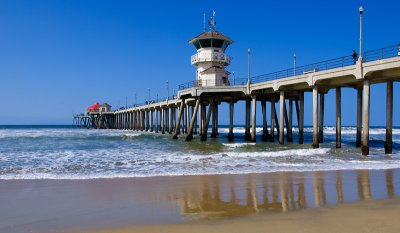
(195, 108)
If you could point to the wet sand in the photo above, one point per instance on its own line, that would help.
(323, 201)
(364, 217)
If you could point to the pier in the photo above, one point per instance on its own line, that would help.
(195, 107)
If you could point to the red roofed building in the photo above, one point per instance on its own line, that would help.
(94, 108)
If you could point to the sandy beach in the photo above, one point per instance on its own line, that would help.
(363, 217)
(329, 201)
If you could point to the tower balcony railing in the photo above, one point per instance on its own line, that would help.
(211, 56)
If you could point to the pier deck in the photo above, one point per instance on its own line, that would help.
(194, 103)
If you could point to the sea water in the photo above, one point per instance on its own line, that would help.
(65, 152)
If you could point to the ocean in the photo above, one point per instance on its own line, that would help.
(65, 152)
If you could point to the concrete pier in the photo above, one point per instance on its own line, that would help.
(389, 117)
(281, 117)
(247, 136)
(175, 136)
(301, 118)
(187, 111)
(321, 117)
(338, 117)
(189, 135)
(214, 121)
(290, 121)
(265, 134)
(272, 133)
(231, 109)
(253, 119)
(207, 121)
(315, 117)
(366, 111)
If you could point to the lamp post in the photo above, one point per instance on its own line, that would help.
(361, 10)
(248, 71)
(135, 100)
(149, 95)
(294, 61)
(167, 89)
(233, 74)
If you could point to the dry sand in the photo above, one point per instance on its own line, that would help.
(362, 217)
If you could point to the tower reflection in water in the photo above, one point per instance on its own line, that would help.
(239, 195)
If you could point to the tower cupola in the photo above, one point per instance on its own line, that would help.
(210, 59)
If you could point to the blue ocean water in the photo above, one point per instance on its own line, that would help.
(64, 152)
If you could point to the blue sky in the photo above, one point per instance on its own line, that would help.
(58, 57)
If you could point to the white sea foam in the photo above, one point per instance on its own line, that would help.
(91, 154)
(237, 145)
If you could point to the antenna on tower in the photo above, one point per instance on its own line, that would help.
(212, 22)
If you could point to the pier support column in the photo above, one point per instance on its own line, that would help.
(290, 125)
(146, 123)
(132, 120)
(170, 120)
(214, 121)
(277, 124)
(247, 136)
(300, 118)
(272, 131)
(321, 117)
(202, 118)
(187, 119)
(162, 120)
(338, 117)
(389, 117)
(281, 117)
(253, 119)
(189, 136)
(156, 123)
(175, 136)
(365, 129)
(151, 120)
(359, 116)
(231, 109)
(196, 120)
(315, 117)
(265, 134)
(137, 120)
(207, 121)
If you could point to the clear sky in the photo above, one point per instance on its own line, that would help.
(58, 57)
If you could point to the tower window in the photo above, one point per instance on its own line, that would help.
(217, 43)
(197, 44)
(205, 43)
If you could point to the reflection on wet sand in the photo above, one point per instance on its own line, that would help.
(276, 192)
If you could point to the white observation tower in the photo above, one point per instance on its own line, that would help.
(210, 58)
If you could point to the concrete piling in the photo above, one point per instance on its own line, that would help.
(366, 111)
(389, 117)
(338, 117)
(281, 117)
(315, 117)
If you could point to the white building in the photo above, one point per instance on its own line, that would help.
(210, 58)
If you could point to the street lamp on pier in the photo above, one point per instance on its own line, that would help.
(294, 61)
(361, 10)
(149, 94)
(167, 89)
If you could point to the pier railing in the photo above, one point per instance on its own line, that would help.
(373, 55)
(378, 54)
(300, 70)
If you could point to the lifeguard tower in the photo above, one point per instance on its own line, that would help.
(210, 58)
